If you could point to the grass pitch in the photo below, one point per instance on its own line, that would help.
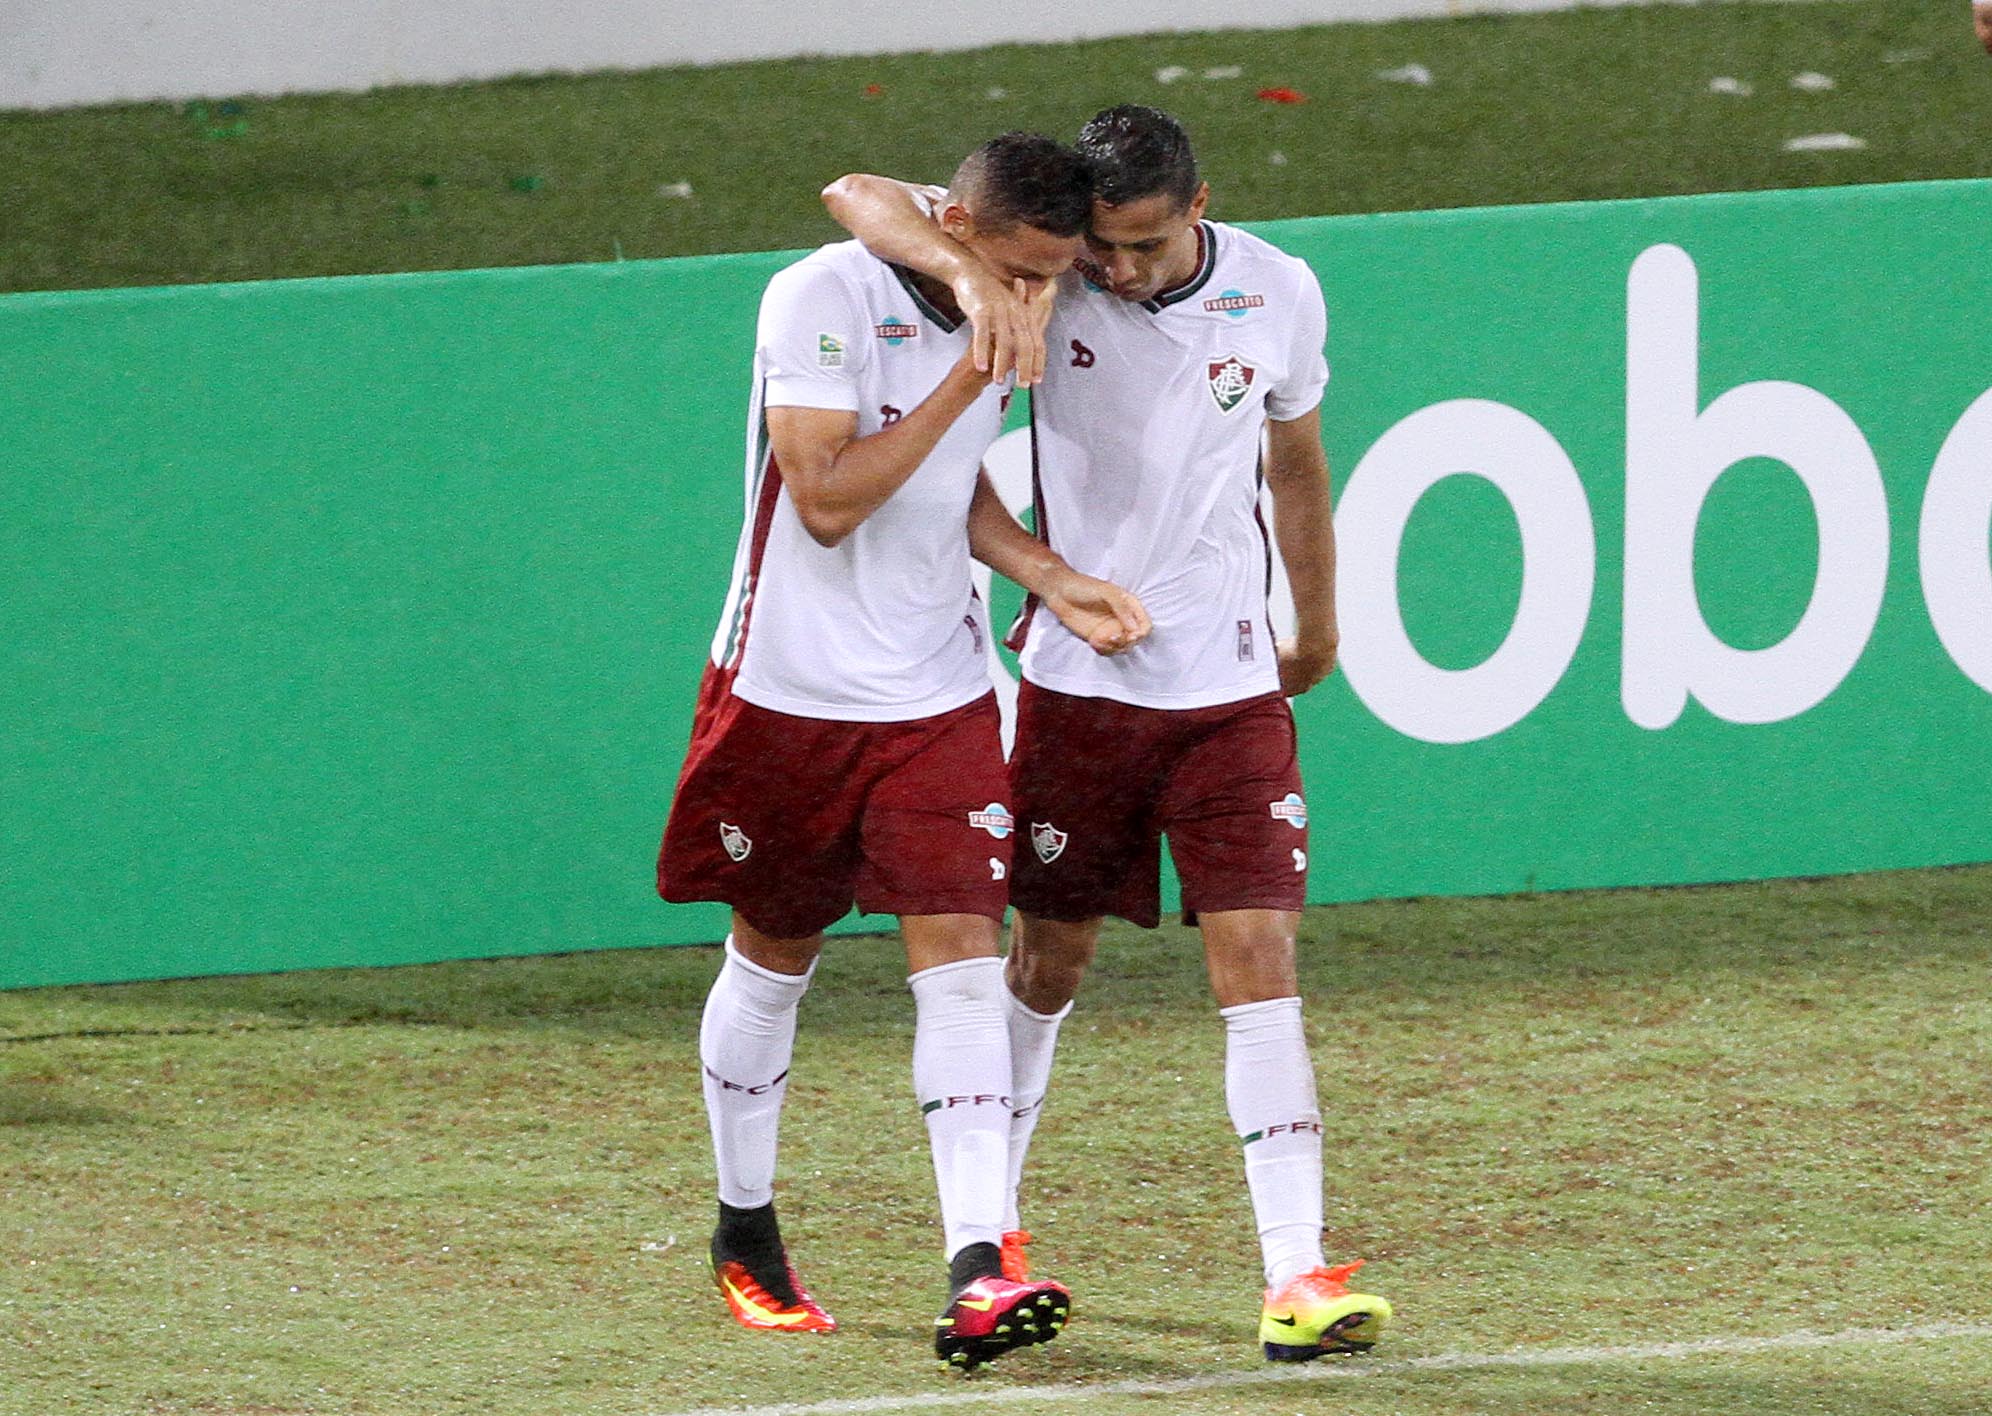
(1591, 104)
(1589, 1120)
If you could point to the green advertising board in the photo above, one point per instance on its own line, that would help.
(358, 621)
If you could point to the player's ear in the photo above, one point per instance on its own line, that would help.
(1200, 201)
(956, 221)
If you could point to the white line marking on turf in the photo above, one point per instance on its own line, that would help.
(1073, 1392)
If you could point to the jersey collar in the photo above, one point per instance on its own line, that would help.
(921, 302)
(1206, 264)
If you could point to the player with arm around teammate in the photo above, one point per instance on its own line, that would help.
(846, 745)
(1181, 366)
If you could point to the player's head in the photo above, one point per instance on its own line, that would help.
(1021, 201)
(1147, 199)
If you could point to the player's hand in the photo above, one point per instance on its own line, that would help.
(1305, 662)
(1002, 341)
(1111, 620)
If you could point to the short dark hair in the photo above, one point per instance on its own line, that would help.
(1026, 179)
(1139, 152)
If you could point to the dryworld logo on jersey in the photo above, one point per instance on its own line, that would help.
(895, 331)
(1230, 380)
(1290, 809)
(1234, 303)
(994, 818)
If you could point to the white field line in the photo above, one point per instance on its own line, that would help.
(1074, 1393)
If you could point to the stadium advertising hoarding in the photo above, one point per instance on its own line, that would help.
(359, 621)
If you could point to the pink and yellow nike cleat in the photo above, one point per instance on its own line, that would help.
(993, 1315)
(1314, 1314)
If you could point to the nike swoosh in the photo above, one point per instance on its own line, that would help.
(756, 1311)
(1288, 1321)
(980, 1305)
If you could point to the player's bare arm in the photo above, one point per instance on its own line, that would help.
(837, 479)
(1297, 474)
(888, 217)
(1111, 620)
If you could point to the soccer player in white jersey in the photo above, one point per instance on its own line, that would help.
(846, 741)
(1181, 368)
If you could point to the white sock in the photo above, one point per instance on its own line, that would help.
(745, 1041)
(961, 1077)
(1033, 1039)
(1269, 1088)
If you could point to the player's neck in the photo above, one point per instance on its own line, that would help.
(1186, 258)
(936, 293)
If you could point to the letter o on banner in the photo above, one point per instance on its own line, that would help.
(1472, 437)
(1952, 556)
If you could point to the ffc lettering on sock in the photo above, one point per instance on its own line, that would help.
(1270, 1093)
(746, 1038)
(961, 1078)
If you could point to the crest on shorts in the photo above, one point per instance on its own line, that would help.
(994, 818)
(1230, 380)
(1047, 840)
(735, 840)
(1290, 809)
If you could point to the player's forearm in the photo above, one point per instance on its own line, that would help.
(997, 540)
(834, 499)
(883, 214)
(1304, 531)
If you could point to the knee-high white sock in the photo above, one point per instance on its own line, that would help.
(1269, 1088)
(745, 1041)
(1033, 1039)
(961, 1077)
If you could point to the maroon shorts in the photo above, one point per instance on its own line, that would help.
(1096, 784)
(790, 819)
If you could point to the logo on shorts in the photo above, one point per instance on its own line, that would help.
(1299, 861)
(994, 818)
(1230, 380)
(996, 870)
(895, 331)
(1290, 809)
(829, 351)
(1048, 841)
(735, 840)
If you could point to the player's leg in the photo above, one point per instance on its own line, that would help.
(777, 841)
(746, 1042)
(937, 853)
(1237, 828)
(1083, 778)
(1048, 959)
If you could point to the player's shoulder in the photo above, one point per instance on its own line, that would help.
(843, 265)
(1240, 249)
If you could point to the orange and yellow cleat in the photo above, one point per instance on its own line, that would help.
(1016, 1263)
(1314, 1314)
(754, 1305)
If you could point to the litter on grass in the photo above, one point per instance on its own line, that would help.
(1409, 74)
(1725, 84)
(1809, 82)
(1282, 95)
(1276, 158)
(1826, 142)
(996, 93)
(675, 189)
(1171, 73)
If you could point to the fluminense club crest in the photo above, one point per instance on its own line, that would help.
(1230, 380)
(1047, 840)
(735, 840)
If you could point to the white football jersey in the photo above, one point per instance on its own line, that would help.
(885, 626)
(1146, 432)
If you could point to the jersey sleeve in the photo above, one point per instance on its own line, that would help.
(1307, 365)
(812, 340)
